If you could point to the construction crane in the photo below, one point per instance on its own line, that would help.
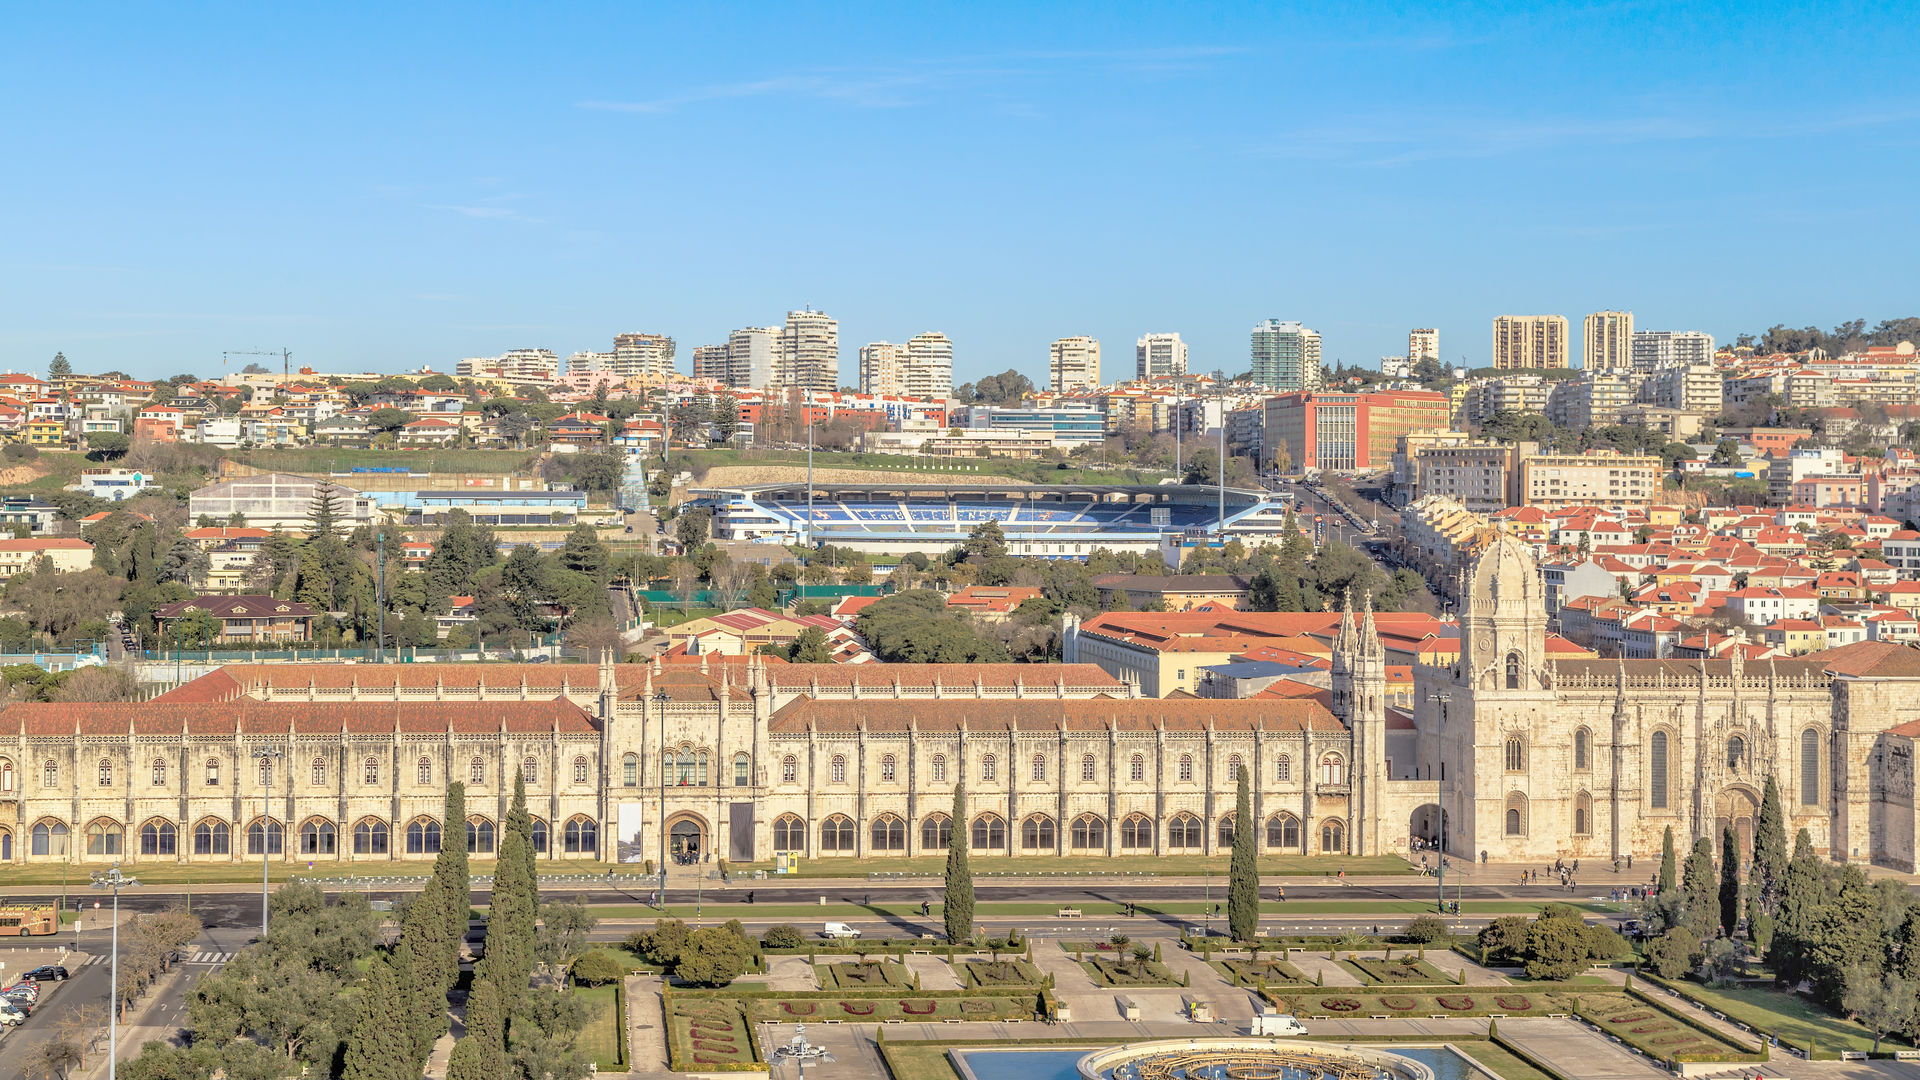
(286, 361)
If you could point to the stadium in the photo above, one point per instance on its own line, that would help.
(1046, 521)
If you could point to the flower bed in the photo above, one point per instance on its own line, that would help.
(1655, 1032)
(862, 975)
(1109, 971)
(706, 1032)
(1406, 971)
(1255, 972)
(907, 1006)
(1473, 1001)
(1010, 973)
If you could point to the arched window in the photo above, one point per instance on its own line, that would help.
(370, 837)
(541, 835)
(1186, 767)
(423, 837)
(50, 774)
(1089, 833)
(989, 768)
(159, 772)
(370, 771)
(888, 833)
(1185, 831)
(630, 770)
(1087, 767)
(937, 768)
(1136, 831)
(580, 770)
(1516, 814)
(1657, 771)
(6, 776)
(742, 770)
(480, 837)
(582, 836)
(837, 770)
(837, 834)
(1233, 768)
(888, 768)
(268, 838)
(936, 831)
(1333, 769)
(789, 769)
(49, 838)
(789, 834)
(1039, 767)
(1333, 837)
(1283, 769)
(423, 771)
(1581, 758)
(317, 772)
(103, 837)
(212, 838)
(266, 772)
(1516, 755)
(158, 838)
(1583, 814)
(1283, 831)
(667, 772)
(317, 837)
(1137, 768)
(529, 769)
(477, 771)
(701, 779)
(213, 772)
(989, 833)
(1037, 834)
(1736, 753)
(1223, 831)
(1513, 671)
(106, 772)
(1810, 767)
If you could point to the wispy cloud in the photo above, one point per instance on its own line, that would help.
(492, 208)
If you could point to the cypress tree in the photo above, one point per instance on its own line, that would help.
(1243, 873)
(1697, 888)
(957, 904)
(1769, 851)
(451, 868)
(420, 963)
(1729, 882)
(378, 1048)
(1802, 896)
(1667, 869)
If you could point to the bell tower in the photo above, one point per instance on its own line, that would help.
(1359, 683)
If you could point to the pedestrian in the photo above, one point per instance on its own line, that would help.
(1629, 860)
(1280, 893)
(749, 896)
(1576, 866)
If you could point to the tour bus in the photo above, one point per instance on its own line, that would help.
(28, 921)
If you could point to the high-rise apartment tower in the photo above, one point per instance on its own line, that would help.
(1530, 341)
(1607, 344)
(1073, 364)
(1156, 355)
(1286, 356)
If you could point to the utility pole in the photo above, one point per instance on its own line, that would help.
(380, 598)
(113, 880)
(266, 756)
(1220, 388)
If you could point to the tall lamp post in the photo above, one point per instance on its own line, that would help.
(266, 756)
(1441, 697)
(114, 881)
(660, 697)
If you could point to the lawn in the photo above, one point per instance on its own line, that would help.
(1017, 974)
(1408, 970)
(1112, 971)
(708, 1031)
(909, 1006)
(1790, 1017)
(987, 869)
(604, 1038)
(862, 975)
(1654, 1032)
(1255, 972)
(1466, 1001)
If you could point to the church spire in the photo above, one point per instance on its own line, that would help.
(1347, 638)
(1369, 635)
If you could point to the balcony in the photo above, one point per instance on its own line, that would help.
(1333, 789)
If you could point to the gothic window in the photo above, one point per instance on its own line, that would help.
(213, 772)
(936, 832)
(529, 769)
(106, 772)
(938, 768)
(317, 773)
(1283, 768)
(789, 834)
(50, 774)
(1039, 767)
(265, 840)
(1333, 837)
(1333, 769)
(887, 769)
(1583, 814)
(540, 836)
(49, 838)
(370, 771)
(480, 836)
(989, 833)
(789, 769)
(1037, 833)
(370, 837)
(1516, 754)
(836, 833)
(1657, 771)
(266, 771)
(989, 768)
(742, 770)
(1516, 814)
(1185, 831)
(423, 771)
(1086, 767)
(477, 771)
(1736, 753)
(1233, 769)
(103, 837)
(1581, 752)
(837, 769)
(1186, 766)
(1089, 832)
(423, 837)
(1223, 831)
(580, 770)
(1137, 768)
(318, 837)
(212, 838)
(889, 833)
(1513, 671)
(630, 770)
(158, 838)
(581, 836)
(1283, 831)
(159, 772)
(1810, 767)
(1136, 832)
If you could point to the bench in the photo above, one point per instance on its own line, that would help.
(1068, 913)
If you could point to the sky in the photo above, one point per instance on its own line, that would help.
(387, 187)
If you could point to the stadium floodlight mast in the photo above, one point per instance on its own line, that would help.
(114, 881)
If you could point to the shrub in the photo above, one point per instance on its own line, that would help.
(783, 937)
(1674, 953)
(1425, 929)
(596, 967)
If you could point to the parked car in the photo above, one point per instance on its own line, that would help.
(10, 1016)
(48, 973)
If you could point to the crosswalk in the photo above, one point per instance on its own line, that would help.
(209, 956)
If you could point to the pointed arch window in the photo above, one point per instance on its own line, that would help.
(1185, 831)
(1089, 832)
(937, 768)
(477, 771)
(1657, 771)
(1136, 832)
(1037, 833)
(1086, 767)
(1283, 769)
(1810, 767)
(1137, 768)
(989, 833)
(1736, 753)
(936, 831)
(1283, 831)
(423, 771)
(837, 834)
(317, 772)
(1583, 814)
(1582, 752)
(1039, 767)
(1516, 754)
(789, 834)
(1233, 768)
(837, 771)
(888, 833)
(580, 770)
(159, 772)
(789, 769)
(889, 768)
(1186, 766)
(1516, 814)
(989, 768)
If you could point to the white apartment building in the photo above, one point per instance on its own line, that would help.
(637, 354)
(922, 368)
(710, 362)
(1477, 477)
(754, 357)
(1513, 393)
(1530, 341)
(1286, 356)
(514, 365)
(809, 351)
(1423, 345)
(1661, 348)
(1607, 344)
(883, 366)
(1592, 400)
(1598, 478)
(1073, 364)
(1156, 355)
(1694, 387)
(582, 363)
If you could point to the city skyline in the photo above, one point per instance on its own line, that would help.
(361, 199)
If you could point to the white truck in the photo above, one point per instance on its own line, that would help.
(839, 930)
(1277, 1024)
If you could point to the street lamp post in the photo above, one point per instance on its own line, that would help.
(114, 881)
(1441, 698)
(660, 697)
(266, 756)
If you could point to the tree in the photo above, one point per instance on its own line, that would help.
(1423, 929)
(1729, 882)
(1243, 871)
(714, 956)
(1884, 1004)
(810, 646)
(1697, 889)
(1802, 895)
(957, 903)
(1505, 939)
(54, 1059)
(378, 1048)
(584, 553)
(1674, 953)
(1769, 855)
(1667, 875)
(1556, 948)
(597, 966)
(986, 541)
(726, 419)
(194, 629)
(1846, 936)
(108, 445)
(389, 419)
(60, 367)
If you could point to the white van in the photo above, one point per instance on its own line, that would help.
(839, 930)
(1277, 1024)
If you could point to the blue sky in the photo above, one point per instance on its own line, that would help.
(398, 185)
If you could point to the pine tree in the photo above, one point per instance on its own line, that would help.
(1697, 888)
(957, 905)
(1243, 872)
(1729, 882)
(323, 513)
(378, 1048)
(1668, 877)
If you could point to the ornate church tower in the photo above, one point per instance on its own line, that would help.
(1359, 682)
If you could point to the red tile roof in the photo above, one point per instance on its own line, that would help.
(1094, 714)
(167, 715)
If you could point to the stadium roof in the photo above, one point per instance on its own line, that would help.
(1010, 489)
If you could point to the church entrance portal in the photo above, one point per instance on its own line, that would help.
(686, 841)
(1735, 809)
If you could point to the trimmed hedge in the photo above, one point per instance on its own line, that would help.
(1662, 1032)
(1382, 972)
